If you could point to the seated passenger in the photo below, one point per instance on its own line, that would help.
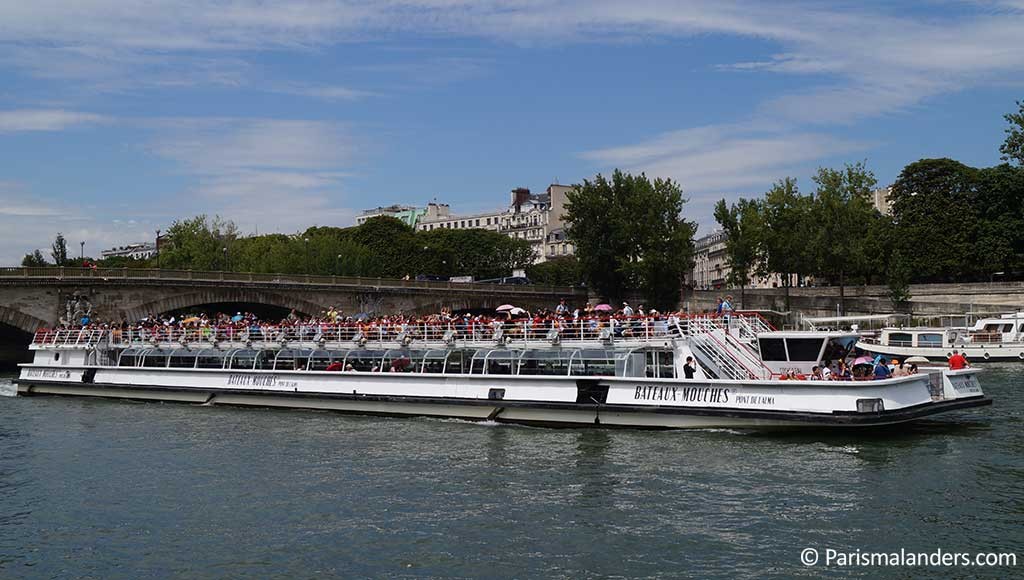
(335, 366)
(881, 370)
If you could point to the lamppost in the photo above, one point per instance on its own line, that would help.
(306, 240)
(82, 254)
(227, 266)
(158, 249)
(337, 265)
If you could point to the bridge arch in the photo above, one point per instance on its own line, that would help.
(20, 320)
(220, 296)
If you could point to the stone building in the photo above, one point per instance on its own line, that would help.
(407, 213)
(536, 218)
(139, 251)
(711, 265)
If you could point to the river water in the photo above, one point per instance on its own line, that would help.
(112, 489)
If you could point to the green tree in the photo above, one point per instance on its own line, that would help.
(787, 230)
(1013, 147)
(561, 271)
(935, 213)
(742, 225)
(480, 253)
(34, 259)
(999, 235)
(199, 243)
(629, 233)
(899, 280)
(842, 213)
(59, 250)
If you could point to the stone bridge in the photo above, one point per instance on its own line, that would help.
(31, 298)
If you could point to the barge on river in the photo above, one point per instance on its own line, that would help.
(989, 339)
(577, 373)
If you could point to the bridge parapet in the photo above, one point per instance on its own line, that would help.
(16, 275)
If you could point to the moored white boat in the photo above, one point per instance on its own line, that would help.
(989, 339)
(576, 374)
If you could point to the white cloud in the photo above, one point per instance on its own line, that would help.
(20, 120)
(270, 174)
(718, 161)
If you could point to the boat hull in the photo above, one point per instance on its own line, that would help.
(531, 412)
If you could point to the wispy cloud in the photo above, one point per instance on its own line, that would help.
(723, 160)
(267, 173)
(20, 120)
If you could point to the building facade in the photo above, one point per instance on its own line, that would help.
(711, 265)
(882, 200)
(407, 213)
(140, 251)
(536, 218)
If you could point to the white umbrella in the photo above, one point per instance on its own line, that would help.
(516, 311)
(917, 360)
(505, 308)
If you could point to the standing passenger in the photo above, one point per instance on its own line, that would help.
(690, 368)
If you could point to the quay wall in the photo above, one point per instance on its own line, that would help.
(926, 299)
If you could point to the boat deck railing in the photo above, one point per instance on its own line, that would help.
(585, 330)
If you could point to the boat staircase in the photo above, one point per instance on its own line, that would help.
(720, 353)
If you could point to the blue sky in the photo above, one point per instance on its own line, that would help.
(118, 117)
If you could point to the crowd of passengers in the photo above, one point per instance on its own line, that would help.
(624, 322)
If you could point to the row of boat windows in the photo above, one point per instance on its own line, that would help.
(805, 349)
(576, 362)
(923, 339)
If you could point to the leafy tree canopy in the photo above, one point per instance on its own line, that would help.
(629, 233)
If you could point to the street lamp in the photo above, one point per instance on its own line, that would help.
(227, 267)
(306, 240)
(82, 255)
(337, 265)
(158, 249)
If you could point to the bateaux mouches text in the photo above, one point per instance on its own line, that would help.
(698, 394)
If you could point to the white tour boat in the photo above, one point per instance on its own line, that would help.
(579, 373)
(995, 339)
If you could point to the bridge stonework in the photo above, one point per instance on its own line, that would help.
(42, 297)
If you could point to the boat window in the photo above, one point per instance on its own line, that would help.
(155, 358)
(319, 360)
(501, 362)
(456, 362)
(666, 364)
(433, 361)
(182, 359)
(1021, 328)
(211, 359)
(292, 360)
(772, 349)
(900, 339)
(593, 362)
(929, 339)
(630, 365)
(364, 360)
(804, 349)
(129, 357)
(839, 348)
(403, 360)
(242, 359)
(265, 360)
(544, 362)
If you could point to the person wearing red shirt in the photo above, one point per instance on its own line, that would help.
(958, 361)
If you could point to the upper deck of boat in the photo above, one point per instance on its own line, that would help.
(631, 332)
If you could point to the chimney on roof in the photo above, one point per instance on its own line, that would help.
(519, 196)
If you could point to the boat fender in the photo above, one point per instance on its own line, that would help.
(1020, 355)
(987, 356)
